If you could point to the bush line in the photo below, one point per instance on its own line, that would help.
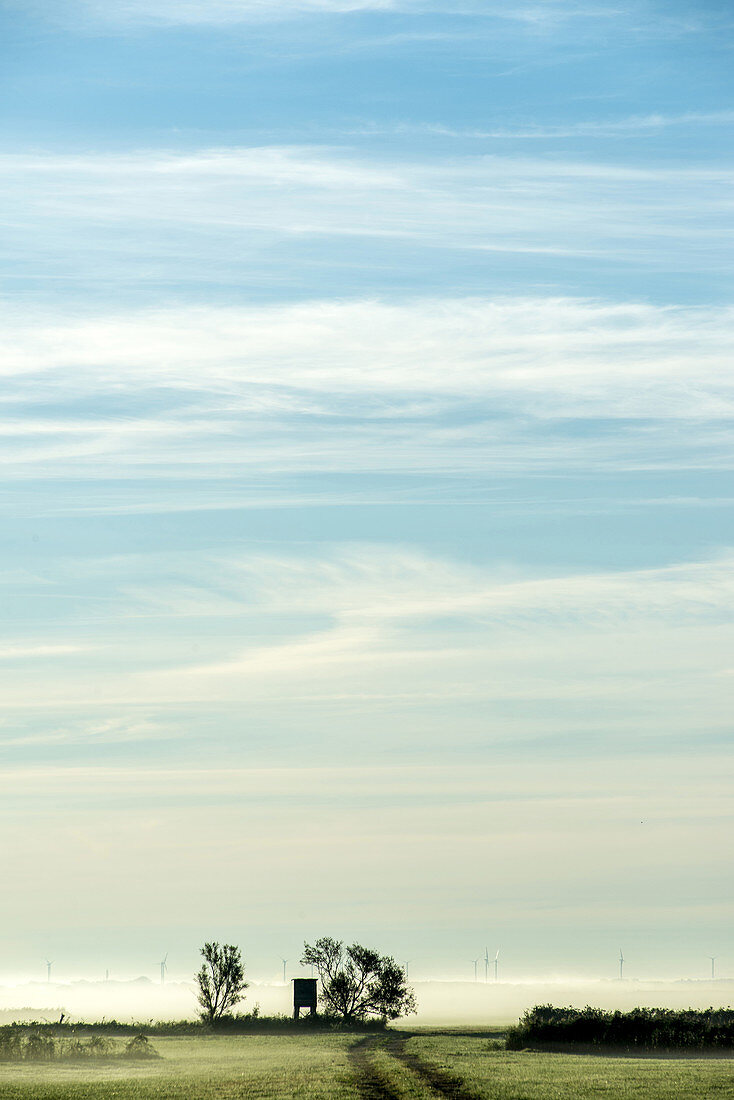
(645, 1028)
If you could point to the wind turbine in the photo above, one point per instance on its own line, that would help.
(49, 964)
(406, 966)
(475, 961)
(621, 963)
(496, 963)
(713, 960)
(284, 961)
(164, 968)
(486, 964)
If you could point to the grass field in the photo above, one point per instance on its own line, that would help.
(389, 1065)
(484, 1069)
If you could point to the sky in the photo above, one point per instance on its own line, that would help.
(365, 423)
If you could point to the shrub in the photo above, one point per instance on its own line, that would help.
(39, 1048)
(10, 1045)
(139, 1047)
(99, 1047)
(42, 1044)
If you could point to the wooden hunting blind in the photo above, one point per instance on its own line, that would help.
(304, 996)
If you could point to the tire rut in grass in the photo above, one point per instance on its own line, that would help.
(440, 1080)
(370, 1082)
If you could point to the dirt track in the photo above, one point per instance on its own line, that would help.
(371, 1080)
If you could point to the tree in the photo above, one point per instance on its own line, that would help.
(357, 982)
(221, 980)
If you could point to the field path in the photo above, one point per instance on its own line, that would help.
(440, 1080)
(372, 1082)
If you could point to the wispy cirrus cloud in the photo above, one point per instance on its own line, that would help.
(404, 626)
(403, 631)
(108, 731)
(215, 215)
(368, 586)
(582, 353)
(630, 125)
(461, 665)
(228, 12)
(386, 624)
(17, 651)
(429, 384)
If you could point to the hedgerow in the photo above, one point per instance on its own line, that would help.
(648, 1028)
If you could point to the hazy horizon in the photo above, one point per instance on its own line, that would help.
(439, 1001)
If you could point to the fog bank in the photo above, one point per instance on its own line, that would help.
(443, 1003)
(473, 1003)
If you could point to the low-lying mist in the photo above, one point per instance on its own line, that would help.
(444, 1003)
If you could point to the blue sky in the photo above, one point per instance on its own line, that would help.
(366, 431)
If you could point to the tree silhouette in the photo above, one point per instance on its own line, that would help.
(357, 982)
(221, 980)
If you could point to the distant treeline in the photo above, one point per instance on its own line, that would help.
(644, 1028)
(45, 1044)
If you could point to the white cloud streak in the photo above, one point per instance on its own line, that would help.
(111, 731)
(632, 125)
(394, 625)
(21, 651)
(584, 355)
(437, 384)
(153, 216)
(404, 644)
(222, 13)
(414, 625)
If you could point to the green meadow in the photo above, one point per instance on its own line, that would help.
(388, 1064)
